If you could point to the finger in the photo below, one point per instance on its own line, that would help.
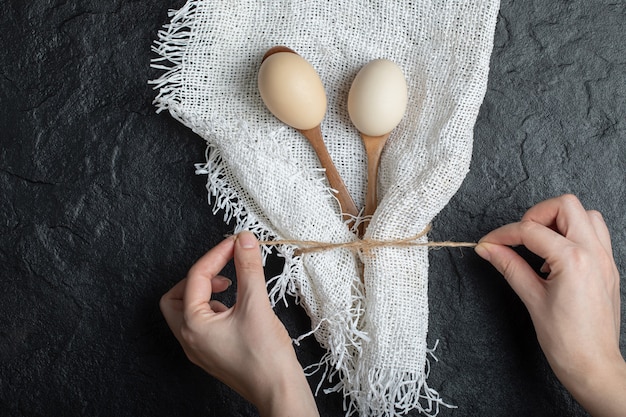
(199, 289)
(249, 267)
(518, 273)
(566, 214)
(538, 238)
(218, 306)
(602, 231)
(220, 283)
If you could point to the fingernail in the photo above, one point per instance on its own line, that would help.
(247, 240)
(482, 251)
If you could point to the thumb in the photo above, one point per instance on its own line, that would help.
(249, 268)
(518, 273)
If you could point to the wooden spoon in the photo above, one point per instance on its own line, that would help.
(311, 130)
(376, 104)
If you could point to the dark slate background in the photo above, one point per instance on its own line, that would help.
(101, 213)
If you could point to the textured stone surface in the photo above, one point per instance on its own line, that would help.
(101, 213)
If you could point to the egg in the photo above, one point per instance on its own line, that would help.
(378, 97)
(292, 90)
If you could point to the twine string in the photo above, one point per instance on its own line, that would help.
(365, 245)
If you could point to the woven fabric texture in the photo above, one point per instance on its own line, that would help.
(369, 310)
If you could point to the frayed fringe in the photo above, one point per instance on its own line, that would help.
(380, 393)
(390, 393)
(171, 48)
(222, 197)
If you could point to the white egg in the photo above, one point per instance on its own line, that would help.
(378, 98)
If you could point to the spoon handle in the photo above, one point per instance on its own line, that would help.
(348, 208)
(373, 148)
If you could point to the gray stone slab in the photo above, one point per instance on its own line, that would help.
(101, 213)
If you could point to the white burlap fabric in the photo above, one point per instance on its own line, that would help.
(266, 177)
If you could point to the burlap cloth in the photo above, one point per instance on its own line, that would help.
(266, 178)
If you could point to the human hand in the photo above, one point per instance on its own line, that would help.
(576, 310)
(245, 346)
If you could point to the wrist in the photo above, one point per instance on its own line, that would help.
(593, 372)
(601, 387)
(288, 394)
